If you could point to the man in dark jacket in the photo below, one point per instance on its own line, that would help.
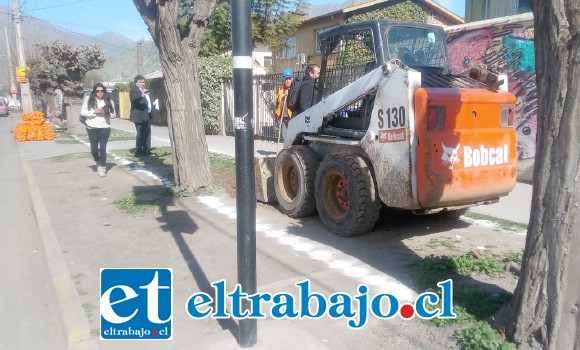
(141, 114)
(308, 88)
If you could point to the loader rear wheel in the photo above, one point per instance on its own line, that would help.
(294, 173)
(346, 195)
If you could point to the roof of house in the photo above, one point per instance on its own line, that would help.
(429, 3)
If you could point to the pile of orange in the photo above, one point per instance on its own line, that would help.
(33, 128)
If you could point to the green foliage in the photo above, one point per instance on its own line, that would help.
(148, 198)
(64, 67)
(222, 163)
(217, 37)
(500, 223)
(482, 337)
(273, 21)
(433, 269)
(212, 71)
(123, 87)
(404, 11)
(130, 205)
(471, 304)
(515, 257)
(445, 242)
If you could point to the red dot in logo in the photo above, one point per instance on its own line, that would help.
(407, 311)
(154, 332)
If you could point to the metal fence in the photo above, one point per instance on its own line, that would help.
(265, 87)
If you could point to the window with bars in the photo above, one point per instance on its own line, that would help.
(349, 56)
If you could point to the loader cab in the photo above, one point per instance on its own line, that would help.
(350, 51)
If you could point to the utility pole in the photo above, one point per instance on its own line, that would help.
(139, 60)
(10, 67)
(24, 87)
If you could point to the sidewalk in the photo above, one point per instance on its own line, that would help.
(515, 207)
(196, 237)
(216, 143)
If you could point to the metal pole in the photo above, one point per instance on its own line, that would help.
(139, 43)
(24, 87)
(10, 67)
(245, 173)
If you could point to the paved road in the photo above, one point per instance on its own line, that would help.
(30, 317)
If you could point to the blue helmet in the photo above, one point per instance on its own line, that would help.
(287, 73)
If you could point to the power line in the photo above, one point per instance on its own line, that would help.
(60, 5)
(88, 26)
(65, 31)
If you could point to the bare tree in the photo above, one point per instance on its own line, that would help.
(60, 66)
(177, 28)
(544, 312)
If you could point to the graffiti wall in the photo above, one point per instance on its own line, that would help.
(506, 48)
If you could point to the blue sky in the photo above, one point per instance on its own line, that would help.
(87, 16)
(98, 16)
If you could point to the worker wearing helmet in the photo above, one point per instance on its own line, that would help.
(281, 105)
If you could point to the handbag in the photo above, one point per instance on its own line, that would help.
(82, 119)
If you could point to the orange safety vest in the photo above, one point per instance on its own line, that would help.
(279, 104)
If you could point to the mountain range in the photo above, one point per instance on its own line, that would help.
(120, 51)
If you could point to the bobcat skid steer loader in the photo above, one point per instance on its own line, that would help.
(393, 126)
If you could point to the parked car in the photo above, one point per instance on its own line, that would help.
(4, 111)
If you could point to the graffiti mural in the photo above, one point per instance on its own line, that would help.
(507, 49)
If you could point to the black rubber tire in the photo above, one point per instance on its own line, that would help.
(294, 173)
(340, 178)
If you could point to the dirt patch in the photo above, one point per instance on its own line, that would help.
(225, 180)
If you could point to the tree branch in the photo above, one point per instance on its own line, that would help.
(148, 11)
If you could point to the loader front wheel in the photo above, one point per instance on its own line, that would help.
(294, 173)
(346, 195)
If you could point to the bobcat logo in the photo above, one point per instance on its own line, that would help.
(449, 156)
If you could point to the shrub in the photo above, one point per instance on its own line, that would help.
(212, 72)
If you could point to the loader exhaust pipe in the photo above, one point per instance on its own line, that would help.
(483, 75)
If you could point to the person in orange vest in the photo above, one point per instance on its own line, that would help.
(282, 111)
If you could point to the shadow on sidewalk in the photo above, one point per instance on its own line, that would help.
(179, 223)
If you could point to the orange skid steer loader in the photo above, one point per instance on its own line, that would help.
(392, 126)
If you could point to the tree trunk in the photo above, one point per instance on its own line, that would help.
(73, 125)
(185, 123)
(544, 310)
(178, 54)
(53, 111)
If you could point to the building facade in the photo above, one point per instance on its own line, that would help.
(304, 45)
(478, 10)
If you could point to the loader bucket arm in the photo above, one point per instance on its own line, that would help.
(310, 121)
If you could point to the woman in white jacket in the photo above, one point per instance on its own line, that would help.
(97, 109)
